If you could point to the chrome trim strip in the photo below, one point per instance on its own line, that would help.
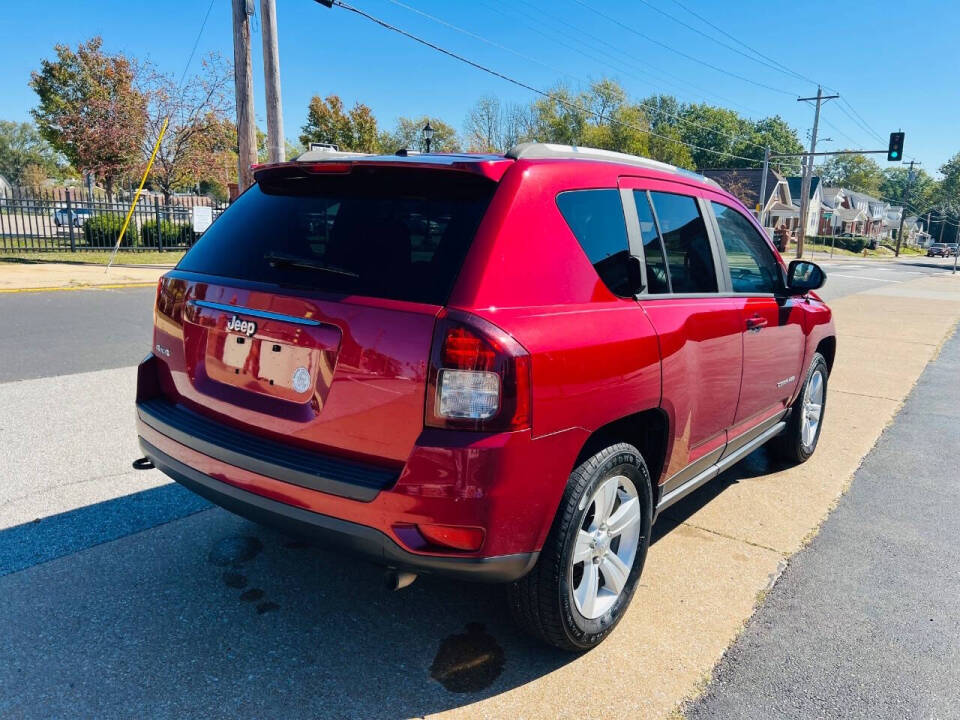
(266, 314)
(711, 472)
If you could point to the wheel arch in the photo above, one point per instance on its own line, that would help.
(828, 348)
(646, 430)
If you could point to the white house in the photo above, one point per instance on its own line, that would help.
(813, 207)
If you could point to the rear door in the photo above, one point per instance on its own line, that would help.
(699, 329)
(771, 322)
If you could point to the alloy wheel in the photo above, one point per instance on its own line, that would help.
(605, 547)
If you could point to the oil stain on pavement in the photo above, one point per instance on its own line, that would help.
(468, 662)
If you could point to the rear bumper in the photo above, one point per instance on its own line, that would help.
(356, 537)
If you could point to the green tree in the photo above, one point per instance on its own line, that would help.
(897, 188)
(21, 146)
(327, 122)
(857, 172)
(89, 109)
(408, 134)
(716, 129)
(948, 192)
(775, 133)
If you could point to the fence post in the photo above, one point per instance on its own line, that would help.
(73, 239)
(156, 213)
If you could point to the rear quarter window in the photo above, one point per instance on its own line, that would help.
(596, 219)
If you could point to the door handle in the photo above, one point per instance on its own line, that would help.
(756, 323)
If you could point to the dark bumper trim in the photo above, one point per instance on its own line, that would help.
(330, 530)
(294, 465)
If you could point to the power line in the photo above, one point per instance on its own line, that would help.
(643, 65)
(531, 88)
(732, 136)
(681, 53)
(756, 52)
(687, 25)
(474, 35)
(195, 44)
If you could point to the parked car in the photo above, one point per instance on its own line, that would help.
(953, 249)
(76, 216)
(938, 250)
(580, 340)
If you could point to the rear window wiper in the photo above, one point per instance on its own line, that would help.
(292, 261)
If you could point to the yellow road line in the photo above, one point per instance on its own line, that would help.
(113, 286)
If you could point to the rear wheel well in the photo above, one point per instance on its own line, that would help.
(646, 431)
(828, 348)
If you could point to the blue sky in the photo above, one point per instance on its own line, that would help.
(895, 63)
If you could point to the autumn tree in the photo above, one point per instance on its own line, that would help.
(22, 147)
(199, 128)
(408, 134)
(89, 109)
(327, 122)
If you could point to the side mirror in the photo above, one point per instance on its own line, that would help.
(803, 276)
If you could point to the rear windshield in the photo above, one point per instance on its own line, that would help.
(380, 232)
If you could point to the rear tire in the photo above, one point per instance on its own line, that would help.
(799, 440)
(592, 559)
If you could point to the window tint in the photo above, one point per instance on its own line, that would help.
(657, 279)
(380, 232)
(596, 219)
(685, 239)
(753, 268)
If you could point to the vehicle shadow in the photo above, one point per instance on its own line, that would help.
(211, 615)
(757, 464)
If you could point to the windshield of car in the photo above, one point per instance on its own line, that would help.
(396, 233)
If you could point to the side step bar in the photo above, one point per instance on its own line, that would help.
(711, 472)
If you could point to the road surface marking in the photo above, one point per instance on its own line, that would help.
(861, 277)
(113, 286)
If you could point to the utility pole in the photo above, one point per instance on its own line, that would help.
(243, 85)
(271, 71)
(808, 168)
(903, 210)
(762, 202)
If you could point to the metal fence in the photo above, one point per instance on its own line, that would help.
(77, 220)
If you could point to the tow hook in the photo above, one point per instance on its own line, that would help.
(399, 579)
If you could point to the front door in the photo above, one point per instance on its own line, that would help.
(771, 323)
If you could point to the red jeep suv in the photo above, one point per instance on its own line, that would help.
(499, 368)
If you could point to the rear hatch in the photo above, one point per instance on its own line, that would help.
(305, 313)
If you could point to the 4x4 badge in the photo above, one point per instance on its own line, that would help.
(247, 327)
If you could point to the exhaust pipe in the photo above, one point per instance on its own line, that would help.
(399, 579)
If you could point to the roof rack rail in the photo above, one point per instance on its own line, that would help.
(543, 151)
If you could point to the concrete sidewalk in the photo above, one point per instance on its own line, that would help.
(26, 277)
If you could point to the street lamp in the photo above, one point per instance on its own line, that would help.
(428, 134)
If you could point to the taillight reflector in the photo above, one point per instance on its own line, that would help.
(453, 536)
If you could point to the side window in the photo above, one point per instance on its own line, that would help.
(596, 219)
(753, 268)
(658, 281)
(685, 240)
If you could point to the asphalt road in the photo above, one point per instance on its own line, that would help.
(865, 622)
(118, 584)
(59, 333)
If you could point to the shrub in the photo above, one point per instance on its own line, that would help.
(171, 233)
(103, 231)
(854, 244)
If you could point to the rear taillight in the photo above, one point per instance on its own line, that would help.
(479, 377)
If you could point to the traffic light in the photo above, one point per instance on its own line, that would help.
(895, 149)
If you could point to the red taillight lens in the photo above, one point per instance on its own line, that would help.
(463, 349)
(479, 377)
(453, 536)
